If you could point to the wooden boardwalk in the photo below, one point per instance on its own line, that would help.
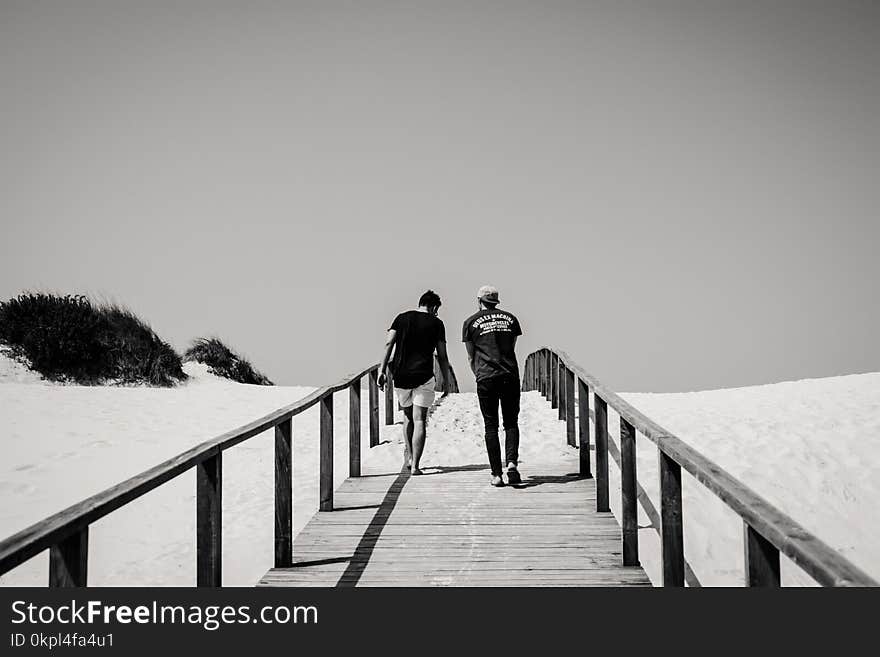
(450, 528)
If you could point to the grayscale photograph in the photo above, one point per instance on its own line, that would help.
(485, 294)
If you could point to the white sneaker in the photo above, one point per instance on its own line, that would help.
(497, 481)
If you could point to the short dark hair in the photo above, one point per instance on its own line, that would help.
(430, 299)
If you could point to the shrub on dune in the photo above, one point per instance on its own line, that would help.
(137, 353)
(222, 361)
(70, 338)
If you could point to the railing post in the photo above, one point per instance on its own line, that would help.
(537, 377)
(354, 428)
(389, 399)
(554, 381)
(548, 394)
(209, 512)
(761, 559)
(374, 407)
(601, 410)
(541, 358)
(527, 373)
(671, 528)
(543, 365)
(563, 392)
(629, 500)
(69, 560)
(569, 408)
(584, 428)
(560, 387)
(283, 494)
(326, 483)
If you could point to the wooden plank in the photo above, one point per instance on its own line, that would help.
(283, 494)
(560, 387)
(541, 376)
(390, 569)
(374, 408)
(584, 429)
(336, 576)
(601, 412)
(326, 455)
(628, 494)
(534, 568)
(539, 372)
(671, 526)
(209, 512)
(761, 559)
(570, 431)
(354, 429)
(389, 399)
(69, 561)
(546, 364)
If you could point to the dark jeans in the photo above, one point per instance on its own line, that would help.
(503, 389)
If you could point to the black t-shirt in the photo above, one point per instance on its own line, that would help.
(493, 333)
(417, 336)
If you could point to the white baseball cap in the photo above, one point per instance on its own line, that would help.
(488, 293)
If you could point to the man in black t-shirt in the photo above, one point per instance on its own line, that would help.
(490, 337)
(413, 336)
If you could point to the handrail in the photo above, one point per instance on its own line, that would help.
(768, 531)
(65, 533)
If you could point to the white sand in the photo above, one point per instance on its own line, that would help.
(63, 442)
(13, 371)
(812, 447)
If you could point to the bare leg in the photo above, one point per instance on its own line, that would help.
(419, 413)
(407, 436)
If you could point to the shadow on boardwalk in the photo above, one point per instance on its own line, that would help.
(364, 550)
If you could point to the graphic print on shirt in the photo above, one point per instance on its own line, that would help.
(494, 322)
(493, 335)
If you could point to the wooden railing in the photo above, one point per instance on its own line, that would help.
(66, 533)
(767, 531)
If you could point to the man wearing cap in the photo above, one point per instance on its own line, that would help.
(490, 337)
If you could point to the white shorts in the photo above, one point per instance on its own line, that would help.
(422, 396)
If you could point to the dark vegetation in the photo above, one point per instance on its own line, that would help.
(71, 338)
(222, 361)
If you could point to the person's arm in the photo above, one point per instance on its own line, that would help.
(517, 331)
(468, 344)
(383, 365)
(470, 352)
(443, 360)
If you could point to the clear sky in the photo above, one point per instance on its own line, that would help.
(682, 195)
